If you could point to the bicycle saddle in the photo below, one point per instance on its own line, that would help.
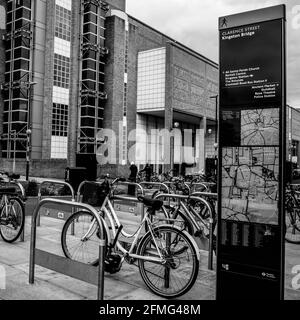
(151, 203)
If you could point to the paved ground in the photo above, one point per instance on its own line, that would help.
(125, 285)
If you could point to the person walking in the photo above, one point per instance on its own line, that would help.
(147, 171)
(132, 178)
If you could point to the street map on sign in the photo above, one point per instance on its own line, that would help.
(260, 127)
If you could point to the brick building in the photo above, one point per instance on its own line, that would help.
(70, 68)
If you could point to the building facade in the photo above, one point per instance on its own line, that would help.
(70, 68)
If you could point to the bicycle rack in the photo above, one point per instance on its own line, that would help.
(54, 182)
(182, 197)
(198, 184)
(171, 182)
(161, 184)
(74, 269)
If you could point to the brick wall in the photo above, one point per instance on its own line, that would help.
(194, 81)
(38, 168)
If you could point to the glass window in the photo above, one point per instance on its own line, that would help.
(61, 71)
(63, 23)
(89, 74)
(89, 64)
(60, 120)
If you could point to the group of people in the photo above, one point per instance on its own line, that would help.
(133, 175)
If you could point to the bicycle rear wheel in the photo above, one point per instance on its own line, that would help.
(178, 273)
(12, 220)
(78, 243)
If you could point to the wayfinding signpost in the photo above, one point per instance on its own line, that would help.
(250, 260)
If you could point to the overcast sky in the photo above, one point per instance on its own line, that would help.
(195, 24)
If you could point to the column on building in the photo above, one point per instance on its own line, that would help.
(61, 79)
(200, 145)
(16, 86)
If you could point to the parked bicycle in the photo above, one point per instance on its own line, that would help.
(12, 211)
(292, 216)
(168, 258)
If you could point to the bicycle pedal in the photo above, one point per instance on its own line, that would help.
(198, 233)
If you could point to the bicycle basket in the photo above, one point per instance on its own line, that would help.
(94, 194)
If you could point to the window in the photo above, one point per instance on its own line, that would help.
(63, 23)
(60, 120)
(61, 71)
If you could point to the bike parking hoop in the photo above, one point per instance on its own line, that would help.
(198, 184)
(161, 184)
(71, 268)
(63, 183)
(205, 194)
(210, 221)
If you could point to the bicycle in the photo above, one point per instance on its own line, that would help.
(168, 258)
(193, 216)
(12, 212)
(292, 216)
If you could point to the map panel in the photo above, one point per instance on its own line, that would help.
(250, 184)
(260, 127)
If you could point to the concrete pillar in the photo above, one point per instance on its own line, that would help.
(48, 87)
(168, 105)
(201, 144)
(74, 84)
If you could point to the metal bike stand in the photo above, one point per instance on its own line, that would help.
(63, 183)
(198, 184)
(182, 197)
(161, 184)
(63, 265)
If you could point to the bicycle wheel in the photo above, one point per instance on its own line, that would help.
(12, 220)
(179, 271)
(78, 242)
(292, 225)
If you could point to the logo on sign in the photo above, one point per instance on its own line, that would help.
(224, 23)
(60, 215)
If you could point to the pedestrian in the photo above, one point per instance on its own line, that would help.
(147, 171)
(132, 178)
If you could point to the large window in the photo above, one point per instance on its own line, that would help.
(63, 23)
(61, 71)
(60, 120)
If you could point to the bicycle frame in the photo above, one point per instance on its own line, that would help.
(109, 212)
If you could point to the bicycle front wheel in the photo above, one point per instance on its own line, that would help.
(80, 239)
(12, 219)
(179, 270)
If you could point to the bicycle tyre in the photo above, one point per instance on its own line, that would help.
(292, 222)
(174, 264)
(20, 220)
(89, 253)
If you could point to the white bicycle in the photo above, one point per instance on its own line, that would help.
(168, 258)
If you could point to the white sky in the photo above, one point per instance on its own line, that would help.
(195, 24)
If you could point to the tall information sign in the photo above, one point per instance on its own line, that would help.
(252, 143)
